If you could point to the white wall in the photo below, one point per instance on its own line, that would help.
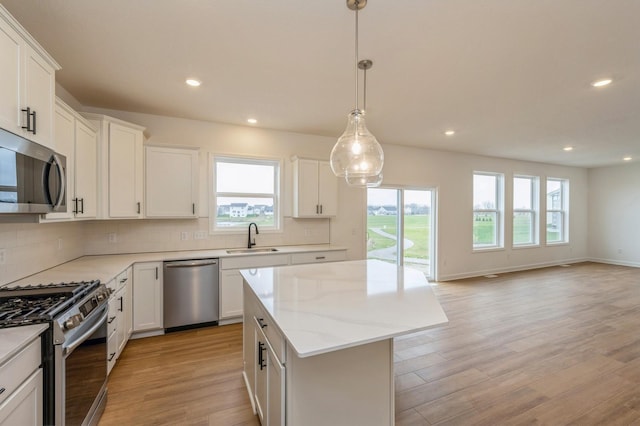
(449, 173)
(452, 176)
(614, 214)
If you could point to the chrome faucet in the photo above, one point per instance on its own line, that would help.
(252, 243)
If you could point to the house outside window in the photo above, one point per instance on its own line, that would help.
(245, 190)
(525, 210)
(557, 211)
(488, 190)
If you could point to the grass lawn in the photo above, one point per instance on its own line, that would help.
(416, 228)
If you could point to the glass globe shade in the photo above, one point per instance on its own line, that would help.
(357, 151)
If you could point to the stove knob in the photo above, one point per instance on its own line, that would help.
(72, 322)
(100, 297)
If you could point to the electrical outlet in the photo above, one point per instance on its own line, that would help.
(3, 256)
(113, 237)
(184, 235)
(200, 235)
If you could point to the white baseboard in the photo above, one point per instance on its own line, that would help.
(517, 268)
(616, 262)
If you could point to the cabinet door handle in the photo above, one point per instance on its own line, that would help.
(261, 324)
(111, 319)
(261, 348)
(28, 126)
(320, 257)
(81, 205)
(121, 304)
(124, 280)
(2, 390)
(33, 114)
(75, 206)
(138, 203)
(111, 356)
(320, 208)
(156, 272)
(193, 208)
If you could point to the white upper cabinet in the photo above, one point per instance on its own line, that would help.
(85, 199)
(315, 189)
(77, 140)
(120, 167)
(171, 182)
(27, 84)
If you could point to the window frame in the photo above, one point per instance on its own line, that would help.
(533, 211)
(497, 211)
(563, 211)
(214, 159)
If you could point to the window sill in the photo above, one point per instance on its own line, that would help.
(487, 249)
(525, 246)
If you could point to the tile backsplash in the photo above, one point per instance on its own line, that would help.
(26, 249)
(29, 248)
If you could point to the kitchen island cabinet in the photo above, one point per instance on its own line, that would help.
(318, 339)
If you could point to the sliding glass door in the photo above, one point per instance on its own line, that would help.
(399, 227)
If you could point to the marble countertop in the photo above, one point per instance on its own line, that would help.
(13, 339)
(326, 307)
(107, 267)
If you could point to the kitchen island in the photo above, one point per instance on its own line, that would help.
(318, 339)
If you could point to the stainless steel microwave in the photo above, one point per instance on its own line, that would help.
(32, 177)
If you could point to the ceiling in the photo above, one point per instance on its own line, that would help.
(511, 77)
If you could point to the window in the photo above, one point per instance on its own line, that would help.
(557, 206)
(525, 209)
(245, 190)
(400, 227)
(487, 204)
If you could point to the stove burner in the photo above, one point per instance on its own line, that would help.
(35, 304)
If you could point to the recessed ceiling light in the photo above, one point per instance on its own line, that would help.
(600, 83)
(252, 120)
(450, 132)
(627, 158)
(568, 148)
(193, 82)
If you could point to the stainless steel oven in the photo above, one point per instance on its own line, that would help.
(81, 371)
(74, 350)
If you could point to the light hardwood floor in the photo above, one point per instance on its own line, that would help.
(552, 346)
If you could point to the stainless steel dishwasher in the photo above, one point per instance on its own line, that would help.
(190, 293)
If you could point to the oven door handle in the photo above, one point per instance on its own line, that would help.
(77, 342)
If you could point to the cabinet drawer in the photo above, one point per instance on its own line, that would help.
(112, 351)
(121, 279)
(112, 286)
(254, 261)
(318, 257)
(275, 338)
(19, 367)
(112, 317)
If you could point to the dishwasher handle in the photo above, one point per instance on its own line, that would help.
(191, 263)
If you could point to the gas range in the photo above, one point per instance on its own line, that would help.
(65, 305)
(74, 347)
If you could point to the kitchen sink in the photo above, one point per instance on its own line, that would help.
(253, 250)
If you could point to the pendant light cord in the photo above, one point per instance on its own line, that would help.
(364, 89)
(356, 64)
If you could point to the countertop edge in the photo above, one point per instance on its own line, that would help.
(14, 339)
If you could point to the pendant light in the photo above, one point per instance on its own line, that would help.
(357, 156)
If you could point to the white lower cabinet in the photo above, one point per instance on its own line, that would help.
(230, 294)
(21, 382)
(119, 320)
(24, 406)
(270, 381)
(147, 296)
(231, 280)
